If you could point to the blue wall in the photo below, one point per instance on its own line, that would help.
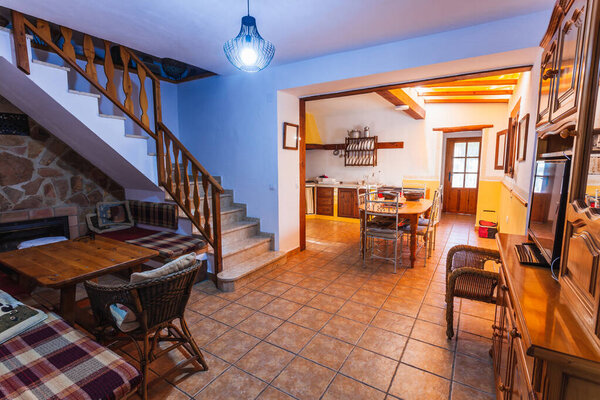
(230, 122)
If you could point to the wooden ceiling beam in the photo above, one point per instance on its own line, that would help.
(421, 82)
(431, 101)
(482, 82)
(399, 97)
(465, 128)
(466, 93)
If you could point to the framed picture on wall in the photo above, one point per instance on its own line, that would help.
(522, 141)
(290, 136)
(500, 149)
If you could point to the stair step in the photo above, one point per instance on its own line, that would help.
(242, 245)
(47, 64)
(84, 93)
(136, 137)
(245, 272)
(112, 116)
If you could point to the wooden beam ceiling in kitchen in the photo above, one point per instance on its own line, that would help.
(399, 97)
(465, 128)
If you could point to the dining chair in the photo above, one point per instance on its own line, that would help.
(426, 227)
(382, 223)
(434, 215)
(361, 219)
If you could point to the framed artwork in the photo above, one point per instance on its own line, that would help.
(522, 141)
(500, 149)
(290, 136)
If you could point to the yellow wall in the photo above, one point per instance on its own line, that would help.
(515, 210)
(488, 198)
(591, 189)
(312, 132)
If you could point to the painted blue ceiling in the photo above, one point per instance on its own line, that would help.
(194, 31)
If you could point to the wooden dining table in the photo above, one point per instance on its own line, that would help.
(411, 210)
(62, 265)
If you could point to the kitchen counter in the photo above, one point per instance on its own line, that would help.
(349, 185)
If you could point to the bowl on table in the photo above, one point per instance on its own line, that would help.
(414, 196)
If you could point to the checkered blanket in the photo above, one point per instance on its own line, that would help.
(54, 361)
(163, 215)
(169, 244)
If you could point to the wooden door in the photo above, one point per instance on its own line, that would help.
(347, 203)
(462, 175)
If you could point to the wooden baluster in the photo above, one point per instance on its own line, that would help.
(20, 41)
(186, 182)
(196, 196)
(206, 207)
(109, 71)
(218, 254)
(168, 166)
(43, 30)
(126, 80)
(68, 48)
(143, 97)
(90, 55)
(160, 154)
(177, 167)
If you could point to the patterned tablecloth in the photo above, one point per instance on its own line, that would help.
(55, 361)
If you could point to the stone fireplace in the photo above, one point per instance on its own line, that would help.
(41, 177)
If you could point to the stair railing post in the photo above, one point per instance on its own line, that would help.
(20, 40)
(159, 131)
(216, 212)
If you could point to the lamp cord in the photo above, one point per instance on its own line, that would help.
(248, 4)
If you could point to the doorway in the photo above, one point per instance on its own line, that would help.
(461, 175)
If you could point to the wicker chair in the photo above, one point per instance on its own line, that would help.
(466, 278)
(156, 303)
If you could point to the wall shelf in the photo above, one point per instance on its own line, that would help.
(360, 152)
(341, 146)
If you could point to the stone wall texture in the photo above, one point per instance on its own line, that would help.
(39, 171)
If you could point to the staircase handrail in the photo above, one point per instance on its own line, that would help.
(171, 179)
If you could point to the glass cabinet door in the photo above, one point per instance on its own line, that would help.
(547, 74)
(568, 64)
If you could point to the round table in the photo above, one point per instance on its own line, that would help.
(411, 210)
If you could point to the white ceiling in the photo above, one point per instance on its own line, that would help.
(194, 31)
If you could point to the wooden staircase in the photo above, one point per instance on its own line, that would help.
(186, 189)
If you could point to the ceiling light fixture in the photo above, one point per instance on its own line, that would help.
(403, 107)
(248, 51)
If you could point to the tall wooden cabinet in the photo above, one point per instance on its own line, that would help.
(546, 337)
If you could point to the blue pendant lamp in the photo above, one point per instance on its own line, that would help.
(248, 51)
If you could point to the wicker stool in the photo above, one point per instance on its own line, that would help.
(466, 278)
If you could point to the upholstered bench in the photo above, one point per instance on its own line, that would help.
(54, 361)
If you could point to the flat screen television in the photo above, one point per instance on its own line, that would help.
(548, 204)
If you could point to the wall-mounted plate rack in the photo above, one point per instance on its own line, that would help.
(360, 152)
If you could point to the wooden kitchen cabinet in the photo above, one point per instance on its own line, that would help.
(347, 203)
(325, 201)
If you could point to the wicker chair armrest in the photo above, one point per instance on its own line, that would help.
(102, 297)
(487, 254)
(467, 272)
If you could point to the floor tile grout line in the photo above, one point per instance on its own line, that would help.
(371, 276)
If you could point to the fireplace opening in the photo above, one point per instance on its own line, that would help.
(13, 233)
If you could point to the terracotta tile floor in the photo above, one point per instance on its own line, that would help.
(323, 327)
